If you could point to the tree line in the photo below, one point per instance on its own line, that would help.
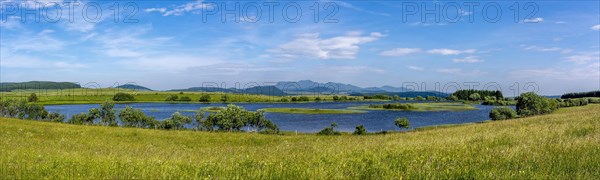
(581, 95)
(232, 119)
(476, 95)
(529, 104)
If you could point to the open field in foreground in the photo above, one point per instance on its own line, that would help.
(562, 145)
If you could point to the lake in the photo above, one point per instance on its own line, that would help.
(376, 120)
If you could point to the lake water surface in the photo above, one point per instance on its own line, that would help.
(375, 120)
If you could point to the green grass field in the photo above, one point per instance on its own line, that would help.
(562, 145)
(439, 106)
(89, 96)
(311, 111)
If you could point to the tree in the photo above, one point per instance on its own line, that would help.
(336, 98)
(176, 121)
(32, 98)
(317, 99)
(529, 104)
(360, 130)
(107, 114)
(136, 118)
(77, 118)
(199, 118)
(123, 97)
(419, 98)
(474, 97)
(185, 98)
(402, 123)
(172, 97)
(502, 113)
(452, 98)
(224, 98)
(329, 130)
(92, 115)
(205, 98)
(56, 117)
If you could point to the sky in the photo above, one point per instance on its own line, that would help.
(551, 47)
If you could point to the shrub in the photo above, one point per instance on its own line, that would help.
(172, 98)
(204, 98)
(419, 98)
(123, 97)
(529, 104)
(360, 130)
(475, 97)
(329, 130)
(402, 123)
(503, 113)
(32, 98)
(136, 118)
(185, 98)
(107, 114)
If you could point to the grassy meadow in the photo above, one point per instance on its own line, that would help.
(562, 145)
(89, 96)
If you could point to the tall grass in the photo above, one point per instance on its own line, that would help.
(562, 145)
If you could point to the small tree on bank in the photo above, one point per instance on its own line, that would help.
(402, 123)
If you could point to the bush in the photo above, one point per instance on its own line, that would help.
(32, 98)
(503, 113)
(185, 98)
(329, 130)
(402, 123)
(136, 118)
(172, 98)
(204, 98)
(529, 104)
(123, 97)
(360, 130)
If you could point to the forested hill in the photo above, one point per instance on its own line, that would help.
(9, 86)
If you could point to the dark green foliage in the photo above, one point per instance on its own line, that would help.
(7, 87)
(317, 99)
(172, 98)
(378, 96)
(419, 98)
(224, 98)
(176, 121)
(393, 106)
(467, 94)
(136, 118)
(330, 130)
(123, 97)
(234, 118)
(452, 98)
(402, 123)
(32, 98)
(204, 98)
(78, 118)
(577, 102)
(107, 114)
(185, 99)
(581, 95)
(301, 98)
(432, 98)
(360, 130)
(503, 113)
(336, 98)
(529, 104)
(55, 117)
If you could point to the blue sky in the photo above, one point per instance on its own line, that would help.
(552, 47)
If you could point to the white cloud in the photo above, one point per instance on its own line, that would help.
(534, 20)
(161, 10)
(313, 46)
(458, 71)
(468, 59)
(181, 9)
(451, 51)
(416, 68)
(400, 51)
(560, 22)
(582, 58)
(12, 22)
(128, 43)
(596, 27)
(587, 72)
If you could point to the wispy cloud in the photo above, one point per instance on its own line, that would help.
(313, 46)
(546, 49)
(400, 51)
(468, 59)
(534, 20)
(417, 68)
(451, 51)
(181, 9)
(582, 58)
(596, 27)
